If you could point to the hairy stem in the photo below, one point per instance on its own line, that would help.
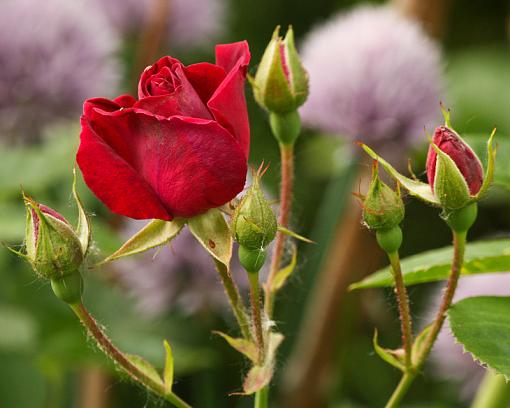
(459, 244)
(403, 307)
(235, 299)
(256, 315)
(120, 358)
(287, 175)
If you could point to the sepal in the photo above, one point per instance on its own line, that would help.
(392, 357)
(416, 188)
(154, 234)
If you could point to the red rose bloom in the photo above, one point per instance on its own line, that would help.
(177, 151)
(466, 160)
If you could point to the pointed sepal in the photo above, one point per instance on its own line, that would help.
(213, 233)
(392, 357)
(416, 188)
(491, 162)
(168, 370)
(154, 234)
(83, 227)
(450, 186)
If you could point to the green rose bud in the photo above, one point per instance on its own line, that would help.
(281, 83)
(254, 222)
(383, 208)
(53, 248)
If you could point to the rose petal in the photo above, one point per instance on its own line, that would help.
(229, 55)
(114, 181)
(205, 78)
(183, 101)
(148, 72)
(228, 104)
(191, 164)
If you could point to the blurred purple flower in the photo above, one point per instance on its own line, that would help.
(448, 357)
(191, 23)
(374, 76)
(53, 55)
(177, 276)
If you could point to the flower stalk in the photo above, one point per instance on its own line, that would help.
(121, 359)
(234, 298)
(460, 222)
(403, 307)
(287, 176)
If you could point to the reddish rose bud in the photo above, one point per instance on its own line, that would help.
(467, 162)
(180, 149)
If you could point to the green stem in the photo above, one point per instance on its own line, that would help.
(403, 306)
(119, 358)
(401, 390)
(235, 299)
(262, 398)
(287, 175)
(493, 392)
(459, 244)
(256, 315)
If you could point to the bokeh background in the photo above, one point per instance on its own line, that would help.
(378, 71)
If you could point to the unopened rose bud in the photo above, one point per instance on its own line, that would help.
(382, 207)
(454, 171)
(254, 222)
(54, 250)
(281, 82)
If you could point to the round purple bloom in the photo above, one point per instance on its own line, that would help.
(448, 357)
(53, 55)
(191, 23)
(374, 76)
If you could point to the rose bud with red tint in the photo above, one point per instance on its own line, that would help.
(54, 250)
(454, 171)
(180, 149)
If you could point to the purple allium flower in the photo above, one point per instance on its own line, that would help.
(448, 357)
(191, 23)
(374, 76)
(53, 55)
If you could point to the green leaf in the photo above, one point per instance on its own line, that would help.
(282, 275)
(393, 357)
(482, 326)
(415, 187)
(246, 347)
(83, 227)
(213, 232)
(432, 266)
(145, 367)
(168, 372)
(155, 233)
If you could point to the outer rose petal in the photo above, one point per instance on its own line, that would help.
(228, 104)
(114, 181)
(228, 55)
(191, 164)
(205, 78)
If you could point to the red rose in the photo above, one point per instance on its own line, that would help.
(177, 151)
(466, 160)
